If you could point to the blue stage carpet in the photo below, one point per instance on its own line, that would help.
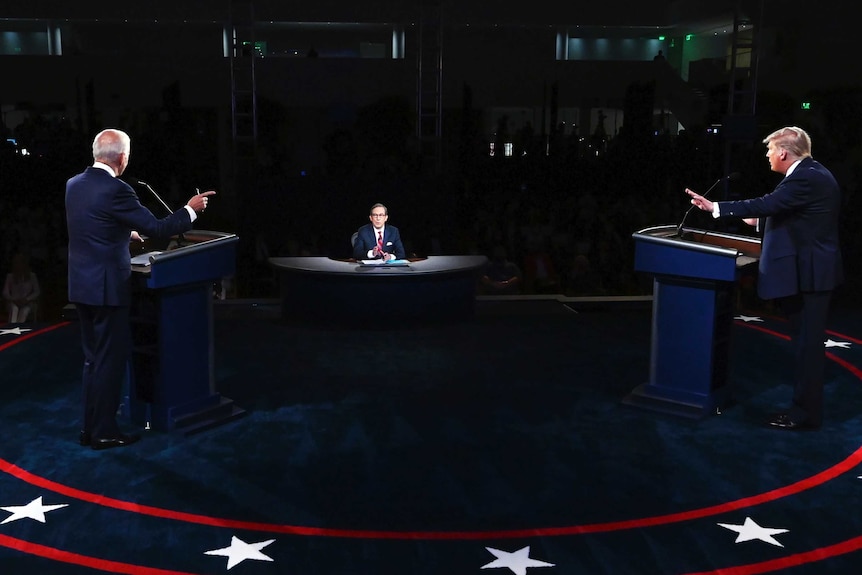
(498, 445)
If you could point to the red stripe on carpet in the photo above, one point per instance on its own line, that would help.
(25, 337)
(818, 554)
(793, 489)
(83, 560)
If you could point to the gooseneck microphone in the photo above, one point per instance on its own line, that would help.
(155, 195)
(729, 177)
(180, 237)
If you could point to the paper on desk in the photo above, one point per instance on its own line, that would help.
(380, 262)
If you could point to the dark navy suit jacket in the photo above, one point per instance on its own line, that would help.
(101, 212)
(367, 239)
(800, 251)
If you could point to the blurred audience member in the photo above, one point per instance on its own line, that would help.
(21, 290)
(501, 277)
(540, 275)
(582, 279)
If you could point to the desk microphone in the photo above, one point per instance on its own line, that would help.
(731, 176)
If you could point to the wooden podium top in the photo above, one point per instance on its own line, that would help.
(746, 246)
(199, 255)
(693, 252)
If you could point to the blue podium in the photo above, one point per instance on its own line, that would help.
(695, 274)
(171, 380)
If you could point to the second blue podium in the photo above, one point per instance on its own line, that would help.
(171, 383)
(695, 273)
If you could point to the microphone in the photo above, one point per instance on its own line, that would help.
(157, 196)
(180, 237)
(729, 177)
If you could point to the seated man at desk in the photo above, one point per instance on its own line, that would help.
(377, 240)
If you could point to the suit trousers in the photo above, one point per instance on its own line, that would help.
(106, 343)
(807, 313)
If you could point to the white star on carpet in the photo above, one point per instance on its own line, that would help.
(239, 551)
(748, 318)
(14, 331)
(831, 343)
(751, 531)
(34, 510)
(517, 561)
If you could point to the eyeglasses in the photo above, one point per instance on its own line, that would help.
(378, 215)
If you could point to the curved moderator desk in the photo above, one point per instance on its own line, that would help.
(438, 288)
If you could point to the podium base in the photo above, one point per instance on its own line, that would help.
(644, 397)
(209, 417)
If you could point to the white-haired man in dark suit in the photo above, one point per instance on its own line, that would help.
(102, 211)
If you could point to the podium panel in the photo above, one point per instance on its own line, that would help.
(695, 274)
(171, 383)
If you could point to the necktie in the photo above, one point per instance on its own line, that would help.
(379, 240)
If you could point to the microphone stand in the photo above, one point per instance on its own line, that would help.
(732, 176)
(180, 237)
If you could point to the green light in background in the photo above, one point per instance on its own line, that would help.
(689, 36)
(806, 105)
(661, 38)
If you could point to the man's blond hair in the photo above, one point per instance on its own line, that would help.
(794, 140)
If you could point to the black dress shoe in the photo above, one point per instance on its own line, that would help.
(84, 438)
(784, 421)
(121, 440)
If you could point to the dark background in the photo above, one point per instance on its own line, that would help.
(319, 167)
